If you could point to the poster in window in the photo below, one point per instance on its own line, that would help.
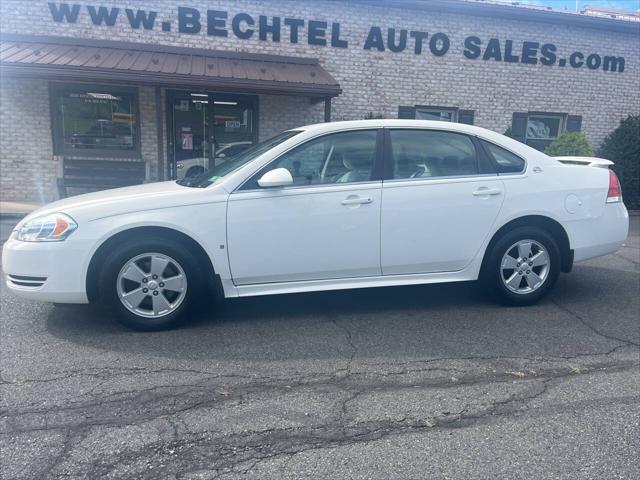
(186, 138)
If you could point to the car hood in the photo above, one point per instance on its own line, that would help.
(118, 201)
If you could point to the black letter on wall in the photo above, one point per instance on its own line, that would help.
(374, 40)
(419, 36)
(548, 51)
(63, 12)
(273, 29)
(294, 24)
(530, 52)
(141, 17)
(493, 50)
(391, 40)
(103, 15)
(472, 47)
(188, 20)
(336, 41)
(316, 32)
(217, 23)
(433, 44)
(235, 25)
(508, 55)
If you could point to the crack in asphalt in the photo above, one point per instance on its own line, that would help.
(241, 453)
(202, 395)
(591, 327)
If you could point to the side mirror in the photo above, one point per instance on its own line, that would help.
(278, 177)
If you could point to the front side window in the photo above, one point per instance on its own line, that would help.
(344, 157)
(431, 153)
(504, 160)
(96, 121)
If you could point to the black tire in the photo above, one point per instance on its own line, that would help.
(122, 254)
(491, 273)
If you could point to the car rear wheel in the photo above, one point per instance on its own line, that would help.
(521, 267)
(151, 285)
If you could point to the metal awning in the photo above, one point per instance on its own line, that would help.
(96, 60)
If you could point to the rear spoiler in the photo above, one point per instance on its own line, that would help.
(587, 161)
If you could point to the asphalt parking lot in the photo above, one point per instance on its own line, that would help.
(411, 382)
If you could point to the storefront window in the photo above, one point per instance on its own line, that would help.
(96, 121)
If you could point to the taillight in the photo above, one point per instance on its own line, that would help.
(615, 192)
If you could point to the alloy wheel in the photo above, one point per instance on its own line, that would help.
(524, 266)
(151, 285)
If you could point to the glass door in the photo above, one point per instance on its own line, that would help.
(206, 129)
(190, 137)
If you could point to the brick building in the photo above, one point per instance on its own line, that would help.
(123, 92)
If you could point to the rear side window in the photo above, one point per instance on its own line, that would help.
(504, 160)
(431, 153)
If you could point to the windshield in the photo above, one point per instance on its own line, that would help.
(231, 164)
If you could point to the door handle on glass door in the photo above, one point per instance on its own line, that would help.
(485, 191)
(356, 200)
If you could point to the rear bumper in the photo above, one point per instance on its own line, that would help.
(594, 237)
(50, 272)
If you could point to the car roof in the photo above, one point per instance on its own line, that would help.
(378, 123)
(489, 135)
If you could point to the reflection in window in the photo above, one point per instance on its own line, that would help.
(505, 161)
(336, 158)
(96, 120)
(430, 153)
(440, 115)
(544, 127)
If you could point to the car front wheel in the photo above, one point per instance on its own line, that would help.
(151, 285)
(521, 267)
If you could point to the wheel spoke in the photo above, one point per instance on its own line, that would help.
(158, 265)
(134, 273)
(539, 259)
(514, 280)
(524, 249)
(134, 297)
(508, 262)
(532, 279)
(175, 284)
(160, 303)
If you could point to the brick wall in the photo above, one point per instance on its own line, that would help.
(378, 82)
(28, 170)
(278, 113)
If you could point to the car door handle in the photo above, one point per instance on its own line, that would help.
(356, 200)
(485, 191)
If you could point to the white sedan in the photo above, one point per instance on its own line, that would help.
(324, 207)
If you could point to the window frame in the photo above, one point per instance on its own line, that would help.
(376, 174)
(56, 89)
(436, 108)
(484, 163)
(562, 127)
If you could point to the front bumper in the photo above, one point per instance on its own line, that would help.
(46, 271)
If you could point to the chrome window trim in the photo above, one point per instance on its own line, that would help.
(341, 186)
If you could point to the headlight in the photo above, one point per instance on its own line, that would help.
(54, 227)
